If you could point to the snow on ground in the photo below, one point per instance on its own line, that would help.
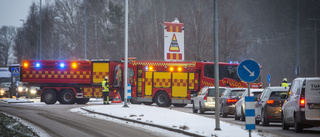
(159, 116)
(170, 118)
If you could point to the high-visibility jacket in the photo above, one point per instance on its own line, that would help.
(105, 86)
(284, 84)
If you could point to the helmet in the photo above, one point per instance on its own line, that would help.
(106, 78)
(284, 80)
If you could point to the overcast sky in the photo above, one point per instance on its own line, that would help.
(11, 11)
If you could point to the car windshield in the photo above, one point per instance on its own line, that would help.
(212, 92)
(237, 92)
(275, 95)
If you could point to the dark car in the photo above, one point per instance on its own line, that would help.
(228, 100)
(268, 107)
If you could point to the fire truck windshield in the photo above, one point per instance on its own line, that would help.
(225, 71)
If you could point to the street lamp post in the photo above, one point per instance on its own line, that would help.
(315, 46)
(22, 39)
(58, 19)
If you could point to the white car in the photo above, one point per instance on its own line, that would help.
(239, 113)
(301, 108)
(205, 99)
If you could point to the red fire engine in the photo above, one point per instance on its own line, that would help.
(168, 82)
(69, 81)
(160, 82)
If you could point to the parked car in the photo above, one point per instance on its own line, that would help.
(239, 113)
(302, 104)
(268, 107)
(4, 89)
(228, 100)
(205, 99)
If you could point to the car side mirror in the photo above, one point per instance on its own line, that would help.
(283, 96)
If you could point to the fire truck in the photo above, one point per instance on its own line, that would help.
(162, 82)
(69, 81)
(168, 82)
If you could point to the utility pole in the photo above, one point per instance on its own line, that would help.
(315, 46)
(23, 39)
(216, 64)
(126, 56)
(85, 29)
(40, 31)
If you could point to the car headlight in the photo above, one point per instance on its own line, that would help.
(20, 89)
(2, 91)
(33, 91)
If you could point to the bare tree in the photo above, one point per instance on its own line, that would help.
(7, 36)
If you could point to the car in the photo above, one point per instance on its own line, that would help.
(239, 113)
(268, 107)
(302, 104)
(32, 92)
(4, 89)
(228, 100)
(205, 99)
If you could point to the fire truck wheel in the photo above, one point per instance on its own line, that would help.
(67, 97)
(162, 99)
(50, 96)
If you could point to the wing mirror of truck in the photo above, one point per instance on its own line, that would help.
(283, 96)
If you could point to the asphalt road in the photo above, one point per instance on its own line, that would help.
(58, 121)
(274, 129)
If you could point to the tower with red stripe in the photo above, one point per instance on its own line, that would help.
(173, 41)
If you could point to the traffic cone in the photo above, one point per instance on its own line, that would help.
(117, 99)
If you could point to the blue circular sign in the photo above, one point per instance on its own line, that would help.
(249, 71)
(269, 78)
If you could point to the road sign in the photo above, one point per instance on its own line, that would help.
(269, 78)
(15, 71)
(250, 113)
(248, 71)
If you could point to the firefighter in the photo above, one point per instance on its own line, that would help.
(105, 90)
(284, 83)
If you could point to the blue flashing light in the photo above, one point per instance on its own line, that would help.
(147, 67)
(230, 62)
(37, 65)
(62, 65)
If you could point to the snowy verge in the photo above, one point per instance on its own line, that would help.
(172, 119)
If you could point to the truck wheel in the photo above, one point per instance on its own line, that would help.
(162, 99)
(67, 97)
(83, 100)
(50, 97)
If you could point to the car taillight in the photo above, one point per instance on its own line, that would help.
(232, 100)
(302, 102)
(205, 96)
(270, 101)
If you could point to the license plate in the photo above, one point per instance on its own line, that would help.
(314, 106)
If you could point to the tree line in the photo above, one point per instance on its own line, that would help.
(65, 23)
